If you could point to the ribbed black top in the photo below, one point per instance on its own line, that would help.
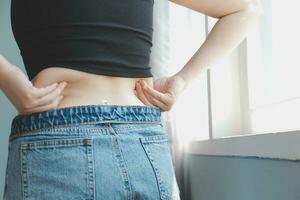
(108, 37)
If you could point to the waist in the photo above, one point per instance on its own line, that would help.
(93, 116)
(90, 89)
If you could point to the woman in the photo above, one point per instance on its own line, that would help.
(88, 123)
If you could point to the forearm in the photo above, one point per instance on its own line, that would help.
(226, 35)
(6, 68)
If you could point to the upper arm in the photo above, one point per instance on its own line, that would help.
(219, 8)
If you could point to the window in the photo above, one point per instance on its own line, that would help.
(186, 28)
(251, 91)
(274, 69)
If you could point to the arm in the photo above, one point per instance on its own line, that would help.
(23, 94)
(235, 19)
(5, 69)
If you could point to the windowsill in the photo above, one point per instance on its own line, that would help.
(278, 145)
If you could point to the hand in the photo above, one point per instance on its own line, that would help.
(26, 97)
(164, 93)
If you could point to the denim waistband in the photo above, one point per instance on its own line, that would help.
(85, 114)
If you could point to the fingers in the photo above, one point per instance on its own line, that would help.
(141, 94)
(49, 97)
(40, 92)
(154, 97)
(47, 107)
(164, 98)
(158, 103)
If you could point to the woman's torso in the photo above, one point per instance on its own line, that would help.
(87, 88)
(104, 47)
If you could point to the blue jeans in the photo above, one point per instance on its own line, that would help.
(109, 152)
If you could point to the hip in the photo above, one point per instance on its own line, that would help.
(90, 152)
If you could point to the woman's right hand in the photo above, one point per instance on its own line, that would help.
(25, 96)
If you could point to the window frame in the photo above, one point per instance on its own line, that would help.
(275, 145)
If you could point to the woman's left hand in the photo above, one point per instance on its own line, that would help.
(164, 93)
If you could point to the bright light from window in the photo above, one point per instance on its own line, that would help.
(274, 68)
(191, 109)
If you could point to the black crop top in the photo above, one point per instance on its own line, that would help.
(109, 37)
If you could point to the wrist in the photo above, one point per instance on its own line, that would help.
(184, 77)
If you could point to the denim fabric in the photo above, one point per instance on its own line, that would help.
(109, 152)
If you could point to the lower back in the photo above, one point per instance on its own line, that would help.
(87, 88)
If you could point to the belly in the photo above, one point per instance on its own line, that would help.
(90, 89)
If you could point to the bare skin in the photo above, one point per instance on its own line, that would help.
(236, 19)
(47, 90)
(86, 88)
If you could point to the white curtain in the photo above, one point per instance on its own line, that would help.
(178, 32)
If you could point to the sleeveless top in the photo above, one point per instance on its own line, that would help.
(108, 37)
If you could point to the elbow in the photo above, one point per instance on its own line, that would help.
(246, 8)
